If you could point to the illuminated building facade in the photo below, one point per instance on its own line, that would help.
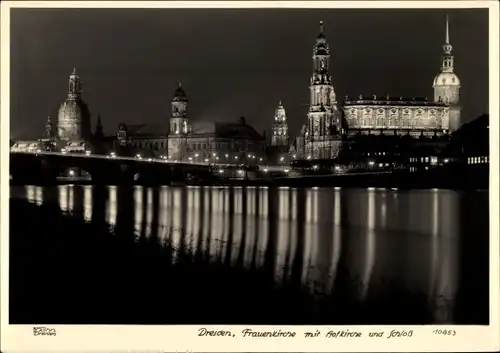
(410, 116)
(195, 141)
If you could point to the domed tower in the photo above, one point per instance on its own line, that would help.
(447, 84)
(74, 115)
(280, 127)
(179, 122)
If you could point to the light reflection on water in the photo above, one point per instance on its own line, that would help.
(407, 237)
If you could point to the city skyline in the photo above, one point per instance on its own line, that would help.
(283, 166)
(220, 88)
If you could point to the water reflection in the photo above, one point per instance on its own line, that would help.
(303, 235)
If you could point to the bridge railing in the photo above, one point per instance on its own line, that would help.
(264, 168)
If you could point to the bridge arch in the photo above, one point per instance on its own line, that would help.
(74, 173)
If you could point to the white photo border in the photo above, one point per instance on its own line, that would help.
(73, 338)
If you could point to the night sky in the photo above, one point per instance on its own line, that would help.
(231, 63)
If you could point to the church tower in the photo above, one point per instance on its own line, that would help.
(324, 123)
(179, 122)
(48, 129)
(280, 128)
(447, 85)
(74, 116)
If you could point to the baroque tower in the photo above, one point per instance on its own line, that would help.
(74, 115)
(280, 128)
(179, 122)
(324, 124)
(447, 84)
(48, 129)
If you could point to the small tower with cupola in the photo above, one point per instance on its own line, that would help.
(179, 121)
(280, 128)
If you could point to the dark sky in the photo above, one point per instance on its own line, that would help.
(231, 63)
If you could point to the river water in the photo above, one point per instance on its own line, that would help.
(428, 241)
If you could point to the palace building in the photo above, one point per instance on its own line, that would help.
(396, 116)
(410, 116)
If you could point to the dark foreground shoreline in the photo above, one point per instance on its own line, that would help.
(66, 271)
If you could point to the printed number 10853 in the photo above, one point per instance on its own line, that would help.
(444, 332)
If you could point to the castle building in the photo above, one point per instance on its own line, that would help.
(410, 116)
(396, 116)
(322, 134)
(194, 141)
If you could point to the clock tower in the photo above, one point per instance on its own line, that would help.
(322, 136)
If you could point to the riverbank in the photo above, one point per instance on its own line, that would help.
(67, 271)
(454, 177)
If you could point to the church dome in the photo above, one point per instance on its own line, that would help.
(71, 109)
(179, 95)
(446, 79)
(72, 113)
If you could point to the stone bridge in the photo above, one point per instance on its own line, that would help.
(47, 168)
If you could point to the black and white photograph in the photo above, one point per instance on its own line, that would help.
(249, 166)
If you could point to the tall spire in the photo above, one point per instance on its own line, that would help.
(447, 46)
(99, 133)
(447, 59)
(447, 31)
